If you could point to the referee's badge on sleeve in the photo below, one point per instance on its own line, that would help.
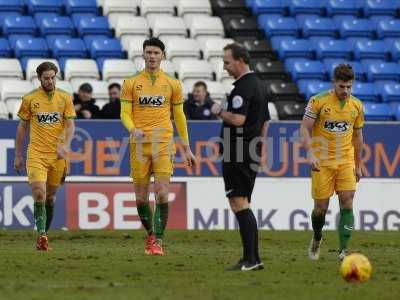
(237, 101)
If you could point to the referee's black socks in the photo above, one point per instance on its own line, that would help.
(249, 234)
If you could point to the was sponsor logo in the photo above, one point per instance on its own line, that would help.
(48, 117)
(151, 100)
(334, 126)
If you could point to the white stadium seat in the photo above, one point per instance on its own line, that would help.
(273, 113)
(156, 7)
(80, 68)
(205, 27)
(114, 17)
(213, 48)
(129, 25)
(193, 69)
(11, 93)
(33, 63)
(169, 26)
(116, 69)
(193, 7)
(10, 68)
(180, 48)
(228, 84)
(135, 46)
(124, 6)
(3, 111)
(216, 90)
(218, 68)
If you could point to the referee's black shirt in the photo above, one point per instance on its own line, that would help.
(247, 98)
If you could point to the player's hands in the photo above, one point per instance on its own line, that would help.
(188, 157)
(216, 109)
(86, 114)
(314, 162)
(137, 134)
(18, 163)
(358, 173)
(62, 151)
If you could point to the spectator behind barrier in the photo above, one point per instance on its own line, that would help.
(198, 106)
(112, 109)
(85, 106)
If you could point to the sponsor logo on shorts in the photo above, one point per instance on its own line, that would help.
(48, 117)
(151, 100)
(348, 227)
(336, 126)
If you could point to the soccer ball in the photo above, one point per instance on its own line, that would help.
(356, 268)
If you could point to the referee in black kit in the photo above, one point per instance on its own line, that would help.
(245, 122)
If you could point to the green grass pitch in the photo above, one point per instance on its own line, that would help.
(112, 265)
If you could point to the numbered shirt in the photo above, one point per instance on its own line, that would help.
(46, 114)
(335, 121)
(152, 97)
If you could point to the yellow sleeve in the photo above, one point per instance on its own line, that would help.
(126, 105)
(359, 121)
(313, 108)
(25, 110)
(69, 109)
(177, 93)
(180, 123)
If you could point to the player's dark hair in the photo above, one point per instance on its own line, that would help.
(46, 66)
(114, 85)
(156, 42)
(343, 72)
(238, 52)
(200, 83)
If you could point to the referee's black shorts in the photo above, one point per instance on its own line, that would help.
(239, 178)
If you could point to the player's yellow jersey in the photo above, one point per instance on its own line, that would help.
(152, 97)
(333, 129)
(46, 114)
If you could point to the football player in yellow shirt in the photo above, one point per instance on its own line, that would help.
(332, 136)
(149, 100)
(48, 113)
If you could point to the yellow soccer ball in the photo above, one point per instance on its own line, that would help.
(356, 268)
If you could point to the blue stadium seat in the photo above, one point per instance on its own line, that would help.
(319, 26)
(336, 7)
(13, 38)
(31, 47)
(310, 69)
(5, 50)
(338, 19)
(38, 17)
(315, 39)
(333, 48)
(354, 39)
(382, 70)
(377, 18)
(377, 112)
(55, 25)
(290, 47)
(93, 25)
(305, 7)
(301, 18)
(12, 6)
(388, 28)
(331, 63)
(303, 84)
(395, 110)
(365, 91)
(289, 62)
(279, 26)
(104, 47)
(80, 6)
(19, 25)
(4, 14)
(370, 50)
(395, 50)
(357, 27)
(315, 88)
(390, 92)
(379, 7)
(269, 7)
(65, 46)
(35, 6)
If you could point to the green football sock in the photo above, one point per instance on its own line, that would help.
(318, 222)
(160, 219)
(346, 225)
(146, 217)
(39, 214)
(49, 214)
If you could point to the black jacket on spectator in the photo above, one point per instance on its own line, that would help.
(195, 112)
(111, 110)
(88, 105)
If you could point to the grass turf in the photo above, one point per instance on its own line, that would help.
(112, 265)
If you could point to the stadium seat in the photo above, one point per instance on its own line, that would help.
(217, 67)
(395, 50)
(365, 91)
(55, 25)
(331, 63)
(193, 7)
(31, 47)
(19, 25)
(395, 110)
(382, 70)
(242, 26)
(11, 93)
(339, 19)
(129, 25)
(33, 63)
(319, 26)
(335, 7)
(378, 18)
(36, 6)
(12, 6)
(390, 92)
(5, 50)
(282, 91)
(379, 7)
(103, 47)
(357, 28)
(268, 69)
(370, 50)
(206, 27)
(301, 18)
(308, 70)
(257, 47)
(315, 88)
(388, 28)
(180, 48)
(80, 6)
(305, 7)
(278, 25)
(10, 68)
(290, 110)
(377, 112)
(169, 26)
(120, 6)
(230, 7)
(213, 48)
(80, 68)
(92, 25)
(303, 84)
(4, 114)
(64, 46)
(156, 7)
(269, 7)
(291, 47)
(193, 69)
(333, 49)
(114, 69)
(135, 47)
